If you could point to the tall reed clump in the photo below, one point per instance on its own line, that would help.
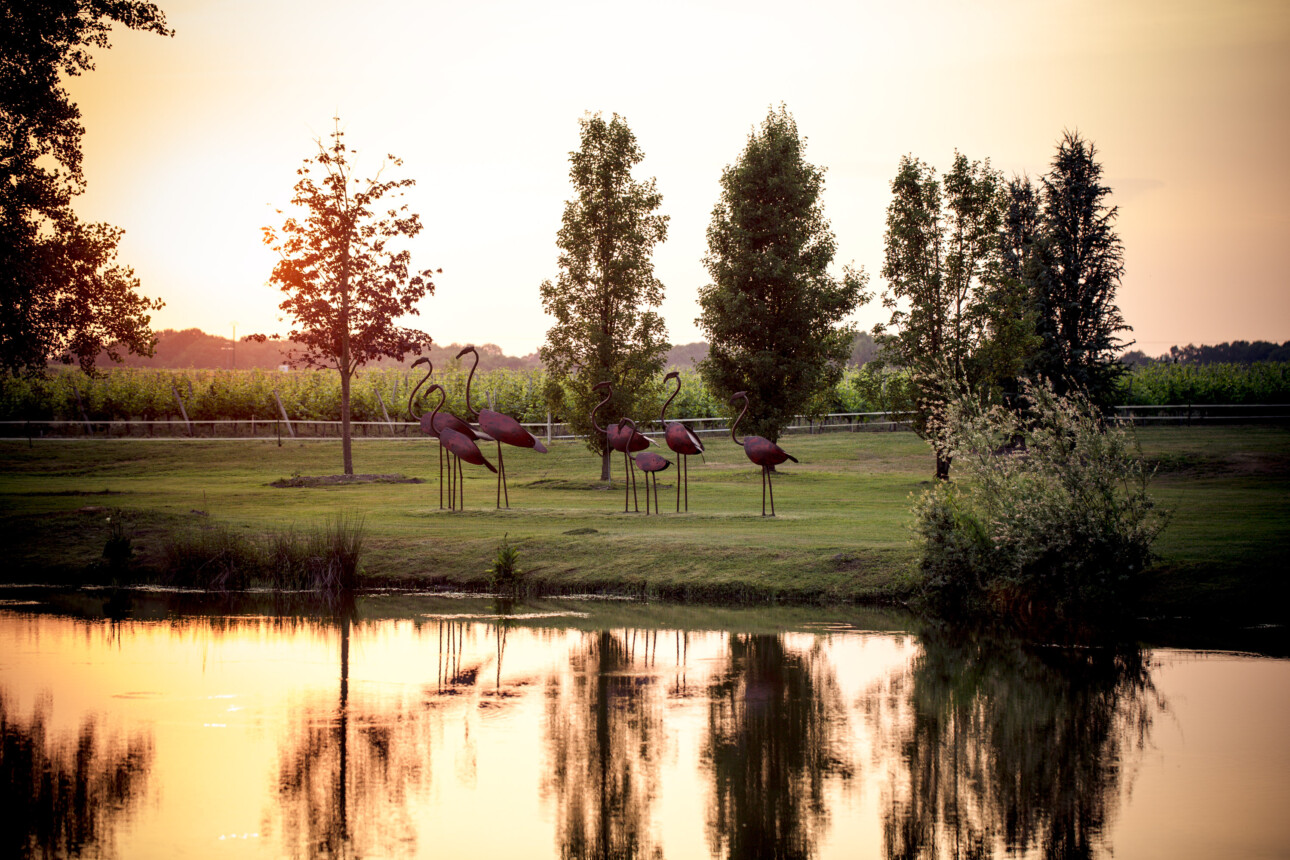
(1060, 527)
(325, 558)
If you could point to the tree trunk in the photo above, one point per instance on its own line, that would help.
(943, 466)
(604, 464)
(346, 451)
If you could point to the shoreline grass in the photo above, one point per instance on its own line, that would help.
(842, 535)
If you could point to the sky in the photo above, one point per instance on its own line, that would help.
(192, 142)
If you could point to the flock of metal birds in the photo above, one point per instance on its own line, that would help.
(461, 441)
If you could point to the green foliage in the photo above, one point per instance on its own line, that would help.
(345, 284)
(604, 327)
(773, 315)
(955, 317)
(118, 549)
(504, 574)
(62, 295)
(1169, 384)
(1064, 526)
(1073, 270)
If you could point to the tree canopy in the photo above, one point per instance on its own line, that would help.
(62, 294)
(603, 298)
(346, 285)
(773, 315)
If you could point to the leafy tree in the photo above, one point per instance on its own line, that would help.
(61, 293)
(345, 284)
(603, 327)
(773, 314)
(1075, 275)
(951, 311)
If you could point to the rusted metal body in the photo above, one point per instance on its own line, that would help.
(502, 428)
(681, 441)
(461, 447)
(650, 463)
(432, 422)
(621, 439)
(762, 452)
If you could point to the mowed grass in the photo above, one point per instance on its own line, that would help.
(842, 531)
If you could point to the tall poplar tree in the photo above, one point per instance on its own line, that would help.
(1076, 276)
(602, 300)
(942, 269)
(773, 315)
(345, 284)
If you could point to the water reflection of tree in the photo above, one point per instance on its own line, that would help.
(64, 796)
(604, 738)
(344, 779)
(775, 732)
(1006, 747)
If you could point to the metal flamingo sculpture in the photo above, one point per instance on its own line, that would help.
(683, 442)
(621, 440)
(650, 463)
(431, 423)
(459, 444)
(503, 428)
(762, 452)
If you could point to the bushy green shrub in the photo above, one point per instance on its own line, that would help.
(504, 574)
(1063, 525)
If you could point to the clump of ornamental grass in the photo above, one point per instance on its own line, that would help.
(1060, 524)
(322, 559)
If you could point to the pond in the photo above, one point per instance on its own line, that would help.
(148, 724)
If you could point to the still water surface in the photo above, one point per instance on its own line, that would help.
(151, 725)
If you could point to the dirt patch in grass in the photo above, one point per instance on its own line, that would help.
(341, 480)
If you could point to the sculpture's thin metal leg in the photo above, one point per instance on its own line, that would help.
(441, 476)
(771, 484)
(679, 470)
(461, 485)
(635, 498)
(627, 480)
(763, 490)
(656, 510)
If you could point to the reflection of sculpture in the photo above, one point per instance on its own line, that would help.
(1008, 748)
(775, 721)
(65, 796)
(603, 746)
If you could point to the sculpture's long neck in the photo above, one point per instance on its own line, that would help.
(473, 414)
(736, 424)
(662, 415)
(600, 429)
(443, 396)
(413, 395)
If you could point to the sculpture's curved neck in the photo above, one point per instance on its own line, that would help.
(474, 416)
(443, 396)
(412, 396)
(662, 415)
(736, 424)
(609, 393)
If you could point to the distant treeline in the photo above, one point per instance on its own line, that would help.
(1236, 352)
(194, 349)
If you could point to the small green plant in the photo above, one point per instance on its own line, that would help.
(1061, 525)
(504, 575)
(119, 546)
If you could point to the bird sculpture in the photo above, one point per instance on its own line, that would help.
(431, 423)
(503, 428)
(459, 445)
(762, 452)
(650, 463)
(683, 442)
(620, 439)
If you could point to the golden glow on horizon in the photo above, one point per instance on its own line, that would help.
(193, 142)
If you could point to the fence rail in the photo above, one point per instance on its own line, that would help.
(840, 422)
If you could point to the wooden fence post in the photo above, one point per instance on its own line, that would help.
(283, 412)
(182, 410)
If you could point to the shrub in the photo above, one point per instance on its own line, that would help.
(504, 575)
(1063, 524)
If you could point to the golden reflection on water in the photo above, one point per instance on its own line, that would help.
(465, 734)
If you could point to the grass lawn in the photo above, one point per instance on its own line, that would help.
(842, 532)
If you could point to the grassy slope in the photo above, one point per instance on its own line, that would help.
(842, 532)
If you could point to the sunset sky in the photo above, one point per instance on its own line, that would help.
(192, 143)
